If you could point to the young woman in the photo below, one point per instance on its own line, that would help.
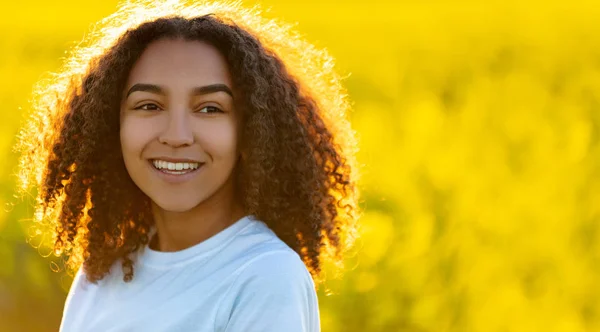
(196, 168)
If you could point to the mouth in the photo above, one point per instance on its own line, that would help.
(175, 167)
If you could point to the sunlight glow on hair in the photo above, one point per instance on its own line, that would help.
(313, 67)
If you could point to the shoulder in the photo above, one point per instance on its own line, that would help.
(265, 257)
(273, 291)
(258, 248)
(274, 276)
(279, 267)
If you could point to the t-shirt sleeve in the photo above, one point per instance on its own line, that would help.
(274, 292)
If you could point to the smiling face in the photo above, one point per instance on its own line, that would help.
(178, 124)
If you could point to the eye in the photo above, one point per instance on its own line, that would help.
(209, 109)
(148, 107)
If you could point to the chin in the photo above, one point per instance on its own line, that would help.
(171, 204)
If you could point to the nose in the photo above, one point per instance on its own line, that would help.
(177, 131)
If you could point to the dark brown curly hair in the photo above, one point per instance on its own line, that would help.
(298, 174)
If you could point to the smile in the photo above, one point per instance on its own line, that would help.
(175, 172)
(175, 168)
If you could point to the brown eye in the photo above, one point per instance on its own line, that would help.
(210, 109)
(148, 107)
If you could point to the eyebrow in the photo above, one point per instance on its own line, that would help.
(201, 90)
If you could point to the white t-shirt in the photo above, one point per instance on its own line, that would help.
(243, 278)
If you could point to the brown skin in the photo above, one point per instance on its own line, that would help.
(89, 159)
(177, 123)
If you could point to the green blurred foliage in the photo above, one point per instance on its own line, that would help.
(479, 126)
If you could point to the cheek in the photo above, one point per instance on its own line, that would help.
(219, 140)
(134, 135)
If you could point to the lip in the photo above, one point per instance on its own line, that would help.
(176, 178)
(175, 160)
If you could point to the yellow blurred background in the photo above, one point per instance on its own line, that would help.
(479, 127)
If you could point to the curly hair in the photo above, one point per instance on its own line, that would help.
(298, 174)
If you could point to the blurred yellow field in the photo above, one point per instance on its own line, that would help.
(479, 127)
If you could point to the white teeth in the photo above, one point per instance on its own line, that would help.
(161, 164)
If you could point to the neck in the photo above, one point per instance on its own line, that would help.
(180, 230)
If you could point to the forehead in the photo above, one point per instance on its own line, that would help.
(180, 63)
